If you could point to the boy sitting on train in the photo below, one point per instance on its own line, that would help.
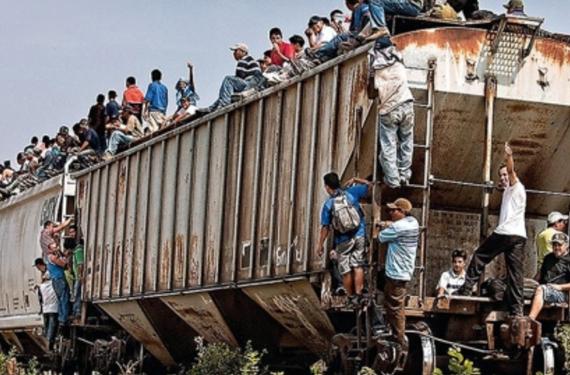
(453, 278)
(554, 276)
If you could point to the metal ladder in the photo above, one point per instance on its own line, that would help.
(425, 187)
(68, 194)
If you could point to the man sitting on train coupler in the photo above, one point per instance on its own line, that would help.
(342, 213)
(401, 234)
(554, 276)
(509, 238)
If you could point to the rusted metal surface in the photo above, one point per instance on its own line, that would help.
(297, 308)
(191, 230)
(201, 313)
(21, 219)
(132, 318)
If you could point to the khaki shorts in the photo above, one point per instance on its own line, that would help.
(351, 254)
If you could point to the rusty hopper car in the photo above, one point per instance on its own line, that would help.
(209, 229)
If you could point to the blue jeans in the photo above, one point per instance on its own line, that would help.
(330, 49)
(50, 328)
(379, 8)
(61, 289)
(233, 85)
(77, 295)
(397, 144)
(118, 139)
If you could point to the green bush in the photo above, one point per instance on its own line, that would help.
(219, 358)
(458, 364)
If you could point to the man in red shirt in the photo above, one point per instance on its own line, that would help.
(133, 97)
(282, 51)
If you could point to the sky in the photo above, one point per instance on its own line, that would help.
(57, 55)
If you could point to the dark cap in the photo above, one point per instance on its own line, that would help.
(314, 20)
(63, 130)
(7, 163)
(560, 238)
(39, 262)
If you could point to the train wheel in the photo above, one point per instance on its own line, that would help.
(544, 358)
(421, 355)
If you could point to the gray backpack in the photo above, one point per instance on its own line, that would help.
(345, 217)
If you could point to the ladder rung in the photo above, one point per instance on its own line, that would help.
(422, 146)
(422, 105)
(416, 186)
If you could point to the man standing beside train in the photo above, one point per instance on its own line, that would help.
(509, 238)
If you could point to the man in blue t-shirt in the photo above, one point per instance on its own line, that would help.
(155, 102)
(401, 234)
(350, 247)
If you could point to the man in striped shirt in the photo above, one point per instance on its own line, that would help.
(401, 234)
(248, 76)
(47, 235)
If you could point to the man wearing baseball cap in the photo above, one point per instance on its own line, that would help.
(248, 76)
(401, 234)
(554, 276)
(515, 7)
(556, 222)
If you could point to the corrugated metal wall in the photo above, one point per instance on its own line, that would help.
(234, 198)
(21, 219)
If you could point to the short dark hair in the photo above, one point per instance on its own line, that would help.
(267, 53)
(297, 39)
(45, 139)
(156, 75)
(459, 253)
(34, 140)
(501, 166)
(352, 2)
(331, 180)
(76, 128)
(112, 94)
(47, 223)
(335, 12)
(131, 80)
(100, 98)
(73, 227)
(275, 31)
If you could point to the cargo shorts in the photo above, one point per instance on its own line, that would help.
(351, 254)
(552, 296)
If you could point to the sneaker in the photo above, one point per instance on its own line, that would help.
(340, 291)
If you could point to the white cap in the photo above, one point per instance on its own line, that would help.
(555, 217)
(241, 46)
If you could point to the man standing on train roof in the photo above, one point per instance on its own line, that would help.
(342, 214)
(509, 238)
(401, 234)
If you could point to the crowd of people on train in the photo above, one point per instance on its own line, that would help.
(114, 123)
(111, 126)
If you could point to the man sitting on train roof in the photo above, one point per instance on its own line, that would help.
(341, 213)
(379, 9)
(556, 222)
(124, 133)
(247, 77)
(401, 234)
(453, 278)
(348, 40)
(515, 8)
(509, 238)
(554, 276)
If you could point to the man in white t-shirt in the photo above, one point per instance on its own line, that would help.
(509, 238)
(454, 278)
(319, 33)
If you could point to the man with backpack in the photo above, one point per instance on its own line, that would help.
(342, 214)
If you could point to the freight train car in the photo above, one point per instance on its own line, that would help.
(209, 229)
